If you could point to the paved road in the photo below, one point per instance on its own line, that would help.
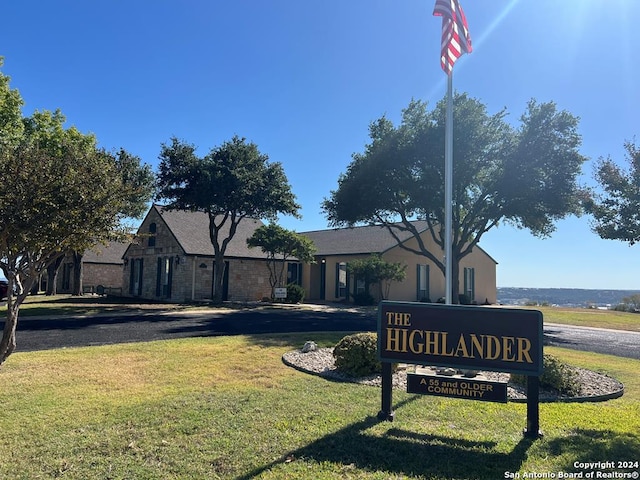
(600, 340)
(42, 333)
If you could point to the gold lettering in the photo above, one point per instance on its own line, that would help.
(396, 340)
(400, 319)
(416, 346)
(507, 345)
(461, 350)
(443, 342)
(431, 343)
(524, 345)
(476, 345)
(492, 345)
(389, 317)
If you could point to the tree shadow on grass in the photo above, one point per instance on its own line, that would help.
(402, 452)
(592, 446)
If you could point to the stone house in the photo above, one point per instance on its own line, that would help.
(172, 260)
(101, 270)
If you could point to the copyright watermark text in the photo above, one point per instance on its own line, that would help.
(620, 469)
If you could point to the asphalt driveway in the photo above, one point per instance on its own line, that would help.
(42, 333)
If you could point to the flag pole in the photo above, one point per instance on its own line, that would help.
(448, 187)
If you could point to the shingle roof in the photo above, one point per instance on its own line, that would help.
(191, 230)
(357, 240)
(110, 253)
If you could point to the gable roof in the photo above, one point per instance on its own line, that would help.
(111, 253)
(364, 239)
(191, 231)
(358, 240)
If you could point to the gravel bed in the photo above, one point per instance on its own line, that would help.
(595, 386)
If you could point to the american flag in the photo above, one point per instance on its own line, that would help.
(455, 33)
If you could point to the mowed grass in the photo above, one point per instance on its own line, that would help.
(587, 317)
(227, 407)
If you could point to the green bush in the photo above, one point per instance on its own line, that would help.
(363, 298)
(464, 299)
(295, 293)
(357, 354)
(555, 375)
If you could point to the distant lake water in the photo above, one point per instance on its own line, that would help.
(565, 297)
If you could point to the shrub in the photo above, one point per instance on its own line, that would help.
(357, 354)
(555, 375)
(295, 293)
(363, 298)
(464, 299)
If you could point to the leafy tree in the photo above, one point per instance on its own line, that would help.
(137, 182)
(234, 181)
(58, 192)
(281, 245)
(616, 209)
(375, 270)
(525, 176)
(11, 102)
(629, 304)
(46, 132)
(49, 205)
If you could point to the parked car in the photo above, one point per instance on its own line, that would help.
(4, 287)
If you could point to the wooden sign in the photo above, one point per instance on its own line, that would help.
(480, 338)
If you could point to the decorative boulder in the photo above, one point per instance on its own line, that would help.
(309, 347)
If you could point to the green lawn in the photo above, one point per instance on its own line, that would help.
(586, 317)
(227, 407)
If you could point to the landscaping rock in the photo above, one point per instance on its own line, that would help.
(309, 347)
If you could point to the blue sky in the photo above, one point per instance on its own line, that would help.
(303, 80)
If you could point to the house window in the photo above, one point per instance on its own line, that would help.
(360, 285)
(164, 276)
(152, 235)
(135, 277)
(470, 283)
(422, 290)
(341, 280)
(294, 273)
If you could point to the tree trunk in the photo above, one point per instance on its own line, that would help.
(455, 279)
(77, 273)
(218, 279)
(8, 341)
(52, 276)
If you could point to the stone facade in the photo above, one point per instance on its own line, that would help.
(95, 275)
(172, 260)
(101, 270)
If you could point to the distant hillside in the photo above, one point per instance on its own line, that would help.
(567, 297)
